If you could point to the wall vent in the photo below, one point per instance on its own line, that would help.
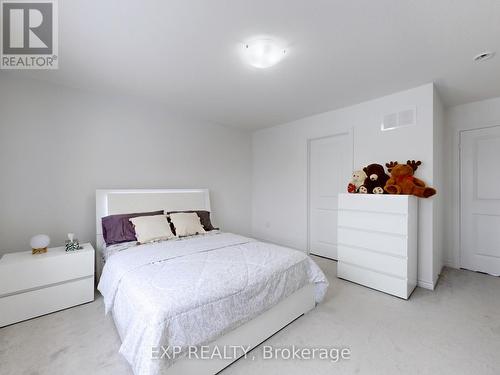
(403, 117)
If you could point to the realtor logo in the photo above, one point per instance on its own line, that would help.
(29, 34)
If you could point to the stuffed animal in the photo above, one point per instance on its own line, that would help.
(402, 180)
(358, 178)
(375, 180)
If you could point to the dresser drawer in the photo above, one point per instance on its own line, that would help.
(377, 241)
(374, 221)
(390, 244)
(387, 264)
(375, 280)
(395, 204)
(18, 307)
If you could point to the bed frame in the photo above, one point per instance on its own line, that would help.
(250, 334)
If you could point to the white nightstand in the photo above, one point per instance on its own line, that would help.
(34, 285)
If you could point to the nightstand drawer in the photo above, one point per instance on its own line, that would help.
(19, 307)
(23, 272)
(34, 285)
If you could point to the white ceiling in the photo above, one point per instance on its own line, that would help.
(184, 53)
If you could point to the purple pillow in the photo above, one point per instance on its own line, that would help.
(118, 228)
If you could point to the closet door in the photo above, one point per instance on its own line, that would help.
(480, 200)
(330, 166)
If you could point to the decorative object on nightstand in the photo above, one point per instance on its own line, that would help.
(39, 244)
(72, 243)
(31, 286)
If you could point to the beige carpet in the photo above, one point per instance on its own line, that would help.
(453, 330)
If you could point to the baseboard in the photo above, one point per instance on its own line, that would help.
(432, 286)
(425, 284)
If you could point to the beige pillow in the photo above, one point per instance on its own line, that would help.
(186, 223)
(151, 228)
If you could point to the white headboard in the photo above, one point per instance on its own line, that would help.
(112, 202)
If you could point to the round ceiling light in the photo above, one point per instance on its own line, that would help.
(263, 53)
(484, 56)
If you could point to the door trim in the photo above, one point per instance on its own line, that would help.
(458, 236)
(350, 136)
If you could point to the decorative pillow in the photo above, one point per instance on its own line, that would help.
(204, 219)
(186, 223)
(151, 228)
(118, 228)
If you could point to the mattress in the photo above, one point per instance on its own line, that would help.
(190, 292)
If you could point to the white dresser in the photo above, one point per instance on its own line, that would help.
(377, 241)
(34, 285)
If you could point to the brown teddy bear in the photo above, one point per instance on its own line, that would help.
(402, 180)
(375, 180)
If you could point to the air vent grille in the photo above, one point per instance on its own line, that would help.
(398, 119)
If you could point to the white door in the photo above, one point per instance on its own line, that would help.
(480, 200)
(330, 166)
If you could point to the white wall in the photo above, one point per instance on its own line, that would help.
(469, 116)
(279, 184)
(440, 183)
(58, 145)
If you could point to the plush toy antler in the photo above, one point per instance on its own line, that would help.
(391, 165)
(414, 164)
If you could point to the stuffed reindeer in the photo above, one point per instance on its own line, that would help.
(402, 180)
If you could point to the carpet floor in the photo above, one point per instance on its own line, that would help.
(452, 330)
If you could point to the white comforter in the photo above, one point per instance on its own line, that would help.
(189, 292)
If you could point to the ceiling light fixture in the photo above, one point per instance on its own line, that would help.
(484, 56)
(263, 53)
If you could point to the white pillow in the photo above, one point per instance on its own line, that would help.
(151, 228)
(186, 223)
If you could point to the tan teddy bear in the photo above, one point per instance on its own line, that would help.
(358, 178)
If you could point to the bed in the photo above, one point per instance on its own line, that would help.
(217, 290)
